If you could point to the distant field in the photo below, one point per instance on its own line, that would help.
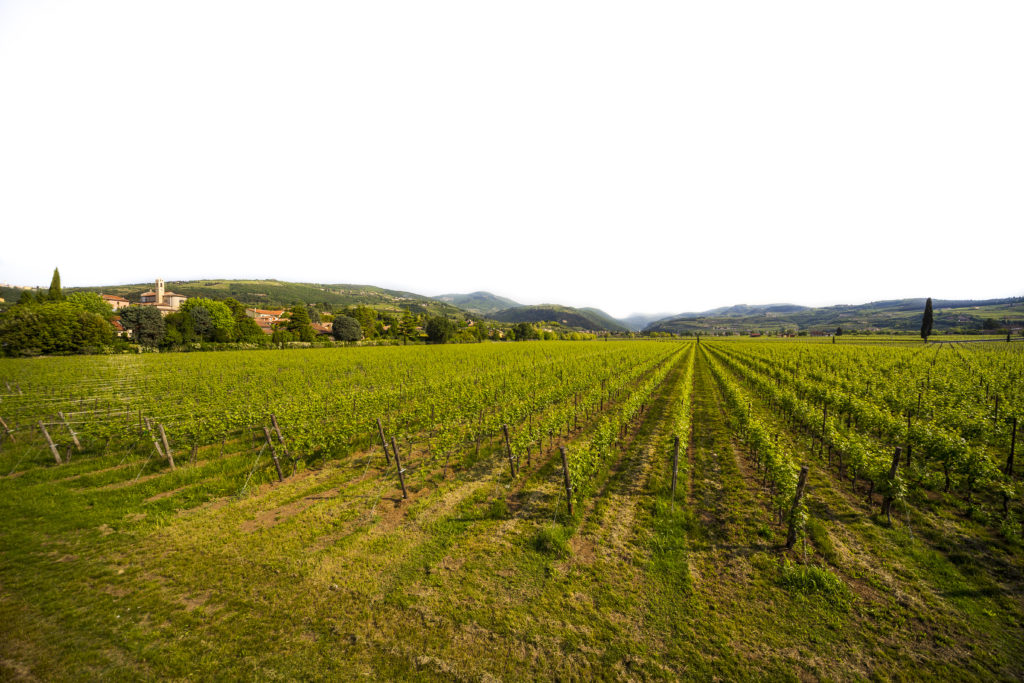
(117, 565)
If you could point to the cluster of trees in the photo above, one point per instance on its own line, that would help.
(198, 320)
(50, 322)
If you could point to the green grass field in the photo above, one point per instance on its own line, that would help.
(114, 567)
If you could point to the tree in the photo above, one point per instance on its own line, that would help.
(146, 323)
(345, 328)
(91, 302)
(367, 318)
(221, 320)
(27, 298)
(440, 330)
(524, 331)
(246, 330)
(52, 327)
(55, 293)
(236, 307)
(926, 320)
(202, 323)
(407, 325)
(298, 323)
(839, 331)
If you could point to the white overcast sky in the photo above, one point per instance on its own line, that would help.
(633, 156)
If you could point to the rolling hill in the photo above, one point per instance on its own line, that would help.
(483, 303)
(582, 318)
(276, 293)
(896, 315)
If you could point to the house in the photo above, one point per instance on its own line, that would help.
(265, 325)
(116, 302)
(119, 329)
(165, 302)
(322, 328)
(269, 315)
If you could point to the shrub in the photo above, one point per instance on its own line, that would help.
(345, 328)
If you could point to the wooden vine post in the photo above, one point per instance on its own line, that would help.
(675, 468)
(887, 501)
(384, 442)
(568, 482)
(167, 446)
(280, 439)
(74, 437)
(10, 434)
(908, 438)
(273, 454)
(824, 418)
(508, 448)
(1013, 445)
(801, 482)
(49, 441)
(398, 463)
(156, 443)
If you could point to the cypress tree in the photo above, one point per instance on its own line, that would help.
(55, 293)
(926, 320)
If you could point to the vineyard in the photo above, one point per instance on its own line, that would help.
(628, 510)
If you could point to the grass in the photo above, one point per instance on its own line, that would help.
(107, 574)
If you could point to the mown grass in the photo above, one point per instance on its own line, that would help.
(330, 576)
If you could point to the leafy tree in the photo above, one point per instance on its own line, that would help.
(52, 327)
(299, 325)
(281, 336)
(55, 293)
(367, 318)
(926, 320)
(524, 331)
(92, 302)
(202, 322)
(220, 317)
(27, 298)
(345, 328)
(407, 325)
(839, 331)
(246, 330)
(147, 325)
(180, 329)
(440, 330)
(236, 307)
(314, 315)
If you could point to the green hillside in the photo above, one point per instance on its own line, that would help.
(899, 315)
(483, 303)
(275, 293)
(585, 319)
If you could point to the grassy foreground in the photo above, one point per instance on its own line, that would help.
(112, 572)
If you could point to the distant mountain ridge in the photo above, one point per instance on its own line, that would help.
(900, 315)
(478, 302)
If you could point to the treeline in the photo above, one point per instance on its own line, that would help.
(50, 322)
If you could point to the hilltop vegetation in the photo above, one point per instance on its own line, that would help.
(279, 294)
(483, 303)
(583, 318)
